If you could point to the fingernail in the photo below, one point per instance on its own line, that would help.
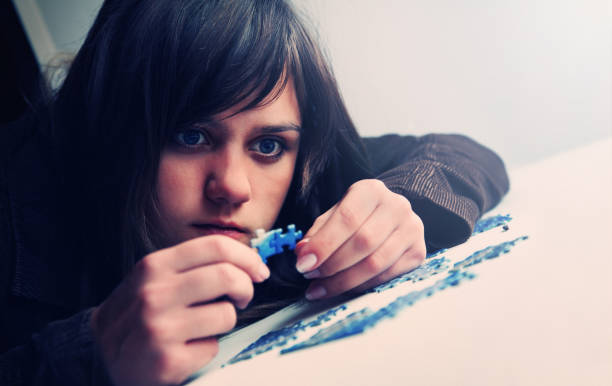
(264, 272)
(300, 244)
(315, 292)
(312, 274)
(306, 262)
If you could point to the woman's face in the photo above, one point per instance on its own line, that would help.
(230, 175)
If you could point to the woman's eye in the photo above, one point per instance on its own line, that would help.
(268, 147)
(190, 138)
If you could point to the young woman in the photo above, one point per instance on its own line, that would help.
(128, 197)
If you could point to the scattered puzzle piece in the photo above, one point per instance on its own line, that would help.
(488, 253)
(282, 337)
(292, 338)
(338, 323)
(488, 223)
(359, 321)
(432, 267)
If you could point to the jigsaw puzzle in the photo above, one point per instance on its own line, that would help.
(344, 320)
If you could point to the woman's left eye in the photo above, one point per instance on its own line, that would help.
(269, 147)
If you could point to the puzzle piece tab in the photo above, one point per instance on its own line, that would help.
(272, 242)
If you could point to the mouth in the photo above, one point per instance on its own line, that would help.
(227, 229)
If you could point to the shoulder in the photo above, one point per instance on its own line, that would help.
(13, 134)
(12, 137)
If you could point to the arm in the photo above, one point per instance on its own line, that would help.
(61, 353)
(450, 181)
(428, 194)
(157, 327)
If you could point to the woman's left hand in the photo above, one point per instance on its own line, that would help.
(369, 237)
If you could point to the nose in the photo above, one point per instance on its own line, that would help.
(228, 182)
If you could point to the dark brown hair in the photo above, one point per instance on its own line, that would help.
(148, 67)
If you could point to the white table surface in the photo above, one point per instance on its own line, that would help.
(539, 315)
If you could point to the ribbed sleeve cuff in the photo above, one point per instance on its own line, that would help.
(448, 216)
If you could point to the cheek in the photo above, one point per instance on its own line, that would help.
(177, 186)
(275, 186)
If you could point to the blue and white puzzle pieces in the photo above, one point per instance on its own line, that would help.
(272, 242)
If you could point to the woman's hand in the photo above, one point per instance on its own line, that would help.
(369, 237)
(159, 325)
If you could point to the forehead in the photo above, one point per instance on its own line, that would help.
(279, 107)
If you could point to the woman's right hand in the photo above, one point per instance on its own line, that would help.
(160, 323)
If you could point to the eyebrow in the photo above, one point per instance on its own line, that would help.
(271, 129)
(267, 129)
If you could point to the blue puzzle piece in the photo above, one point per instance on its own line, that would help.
(272, 242)
(287, 239)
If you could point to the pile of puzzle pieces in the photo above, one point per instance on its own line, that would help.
(272, 242)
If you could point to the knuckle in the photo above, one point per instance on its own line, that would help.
(152, 299)
(378, 185)
(227, 274)
(250, 291)
(209, 348)
(364, 240)
(420, 226)
(157, 330)
(329, 267)
(415, 255)
(243, 289)
(347, 216)
(317, 222)
(218, 244)
(370, 182)
(148, 266)
(323, 247)
(402, 202)
(374, 264)
(227, 315)
(164, 361)
(212, 348)
(415, 226)
(421, 252)
(170, 366)
(339, 285)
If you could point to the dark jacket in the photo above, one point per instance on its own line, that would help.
(44, 331)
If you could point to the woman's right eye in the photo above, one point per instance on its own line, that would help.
(190, 138)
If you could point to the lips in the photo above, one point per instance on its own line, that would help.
(227, 229)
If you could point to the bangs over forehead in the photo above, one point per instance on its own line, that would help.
(229, 53)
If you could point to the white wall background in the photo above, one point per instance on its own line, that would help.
(56, 26)
(529, 78)
(69, 20)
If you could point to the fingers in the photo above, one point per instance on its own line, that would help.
(187, 324)
(366, 274)
(169, 365)
(367, 239)
(174, 365)
(407, 262)
(207, 283)
(168, 307)
(205, 251)
(338, 225)
(206, 320)
(392, 251)
(378, 239)
(318, 223)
